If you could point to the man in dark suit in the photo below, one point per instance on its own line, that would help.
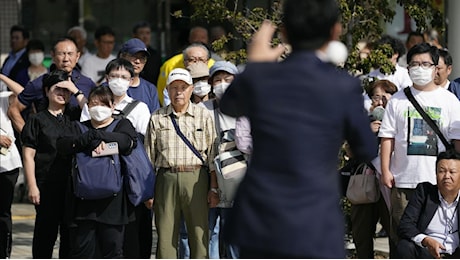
(17, 59)
(429, 225)
(301, 110)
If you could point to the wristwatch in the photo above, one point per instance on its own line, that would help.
(78, 93)
(214, 190)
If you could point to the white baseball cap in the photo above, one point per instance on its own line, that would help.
(179, 74)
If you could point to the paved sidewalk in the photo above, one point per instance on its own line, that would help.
(23, 227)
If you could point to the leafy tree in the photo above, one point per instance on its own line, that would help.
(361, 19)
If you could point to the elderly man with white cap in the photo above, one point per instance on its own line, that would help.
(180, 143)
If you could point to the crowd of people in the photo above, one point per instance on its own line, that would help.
(287, 116)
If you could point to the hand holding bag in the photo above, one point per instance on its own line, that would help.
(363, 186)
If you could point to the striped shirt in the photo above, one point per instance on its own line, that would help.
(166, 149)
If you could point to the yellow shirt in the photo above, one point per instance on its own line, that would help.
(174, 62)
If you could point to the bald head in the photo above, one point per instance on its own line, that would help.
(198, 34)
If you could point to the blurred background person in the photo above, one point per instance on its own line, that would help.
(17, 58)
(142, 30)
(94, 65)
(79, 34)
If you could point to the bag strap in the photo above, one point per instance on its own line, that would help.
(128, 108)
(186, 141)
(426, 117)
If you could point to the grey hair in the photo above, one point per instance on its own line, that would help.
(184, 52)
(80, 29)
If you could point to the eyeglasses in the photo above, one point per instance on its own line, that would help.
(196, 59)
(132, 58)
(379, 98)
(114, 76)
(424, 64)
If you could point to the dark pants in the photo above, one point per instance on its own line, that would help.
(364, 218)
(49, 220)
(7, 183)
(246, 253)
(91, 235)
(409, 250)
(138, 234)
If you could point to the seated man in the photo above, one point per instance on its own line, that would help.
(429, 226)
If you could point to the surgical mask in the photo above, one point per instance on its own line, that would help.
(219, 89)
(421, 76)
(36, 58)
(119, 86)
(201, 88)
(100, 113)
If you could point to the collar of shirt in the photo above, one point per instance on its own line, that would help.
(190, 109)
(16, 55)
(445, 204)
(446, 86)
(126, 100)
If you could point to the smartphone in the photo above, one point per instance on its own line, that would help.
(110, 149)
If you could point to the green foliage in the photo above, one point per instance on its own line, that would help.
(363, 20)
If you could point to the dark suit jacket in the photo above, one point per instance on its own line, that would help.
(420, 211)
(300, 111)
(454, 87)
(23, 62)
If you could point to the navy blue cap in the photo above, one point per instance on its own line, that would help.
(133, 46)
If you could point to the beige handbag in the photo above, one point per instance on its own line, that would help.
(363, 186)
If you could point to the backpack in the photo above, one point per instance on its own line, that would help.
(96, 177)
(136, 168)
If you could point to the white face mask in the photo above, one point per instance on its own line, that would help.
(219, 89)
(201, 88)
(421, 76)
(119, 86)
(100, 113)
(337, 52)
(36, 58)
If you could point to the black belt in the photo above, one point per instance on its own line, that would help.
(183, 168)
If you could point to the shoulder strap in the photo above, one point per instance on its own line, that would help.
(186, 141)
(426, 117)
(128, 108)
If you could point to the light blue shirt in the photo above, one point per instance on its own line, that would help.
(11, 61)
(443, 227)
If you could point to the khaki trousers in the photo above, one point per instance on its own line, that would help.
(184, 192)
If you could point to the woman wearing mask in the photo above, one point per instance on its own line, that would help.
(99, 223)
(222, 74)
(46, 170)
(36, 54)
(119, 74)
(200, 76)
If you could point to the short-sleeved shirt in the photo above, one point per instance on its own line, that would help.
(167, 149)
(145, 92)
(40, 133)
(33, 91)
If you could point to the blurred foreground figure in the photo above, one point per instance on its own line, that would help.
(301, 110)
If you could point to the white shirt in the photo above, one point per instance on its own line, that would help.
(400, 77)
(139, 116)
(93, 67)
(443, 226)
(446, 86)
(415, 148)
(11, 160)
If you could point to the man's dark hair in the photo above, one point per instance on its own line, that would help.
(141, 24)
(119, 63)
(35, 44)
(396, 45)
(446, 56)
(63, 39)
(22, 29)
(103, 30)
(447, 155)
(414, 34)
(424, 48)
(308, 23)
